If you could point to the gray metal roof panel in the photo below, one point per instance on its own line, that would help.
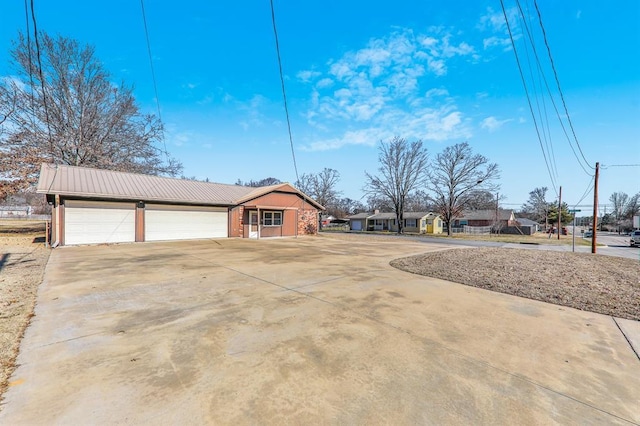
(86, 182)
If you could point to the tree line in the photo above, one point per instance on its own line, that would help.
(619, 218)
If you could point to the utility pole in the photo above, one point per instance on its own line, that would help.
(595, 208)
(559, 212)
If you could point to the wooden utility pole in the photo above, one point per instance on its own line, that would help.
(595, 208)
(559, 212)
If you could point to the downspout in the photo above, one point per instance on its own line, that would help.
(56, 205)
(259, 224)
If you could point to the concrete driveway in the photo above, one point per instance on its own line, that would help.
(300, 331)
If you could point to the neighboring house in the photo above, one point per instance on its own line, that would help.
(15, 211)
(92, 206)
(485, 218)
(416, 222)
(528, 222)
(433, 223)
(358, 222)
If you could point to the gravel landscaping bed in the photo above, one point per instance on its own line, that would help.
(603, 284)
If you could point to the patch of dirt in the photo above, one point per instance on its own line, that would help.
(23, 258)
(603, 284)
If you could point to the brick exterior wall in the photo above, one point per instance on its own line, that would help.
(307, 222)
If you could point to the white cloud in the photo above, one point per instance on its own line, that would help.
(324, 83)
(495, 25)
(307, 75)
(492, 123)
(435, 92)
(493, 21)
(10, 80)
(382, 90)
(504, 42)
(428, 124)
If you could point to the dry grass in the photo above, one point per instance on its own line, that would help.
(23, 258)
(602, 284)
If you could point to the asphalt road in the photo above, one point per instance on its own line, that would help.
(613, 245)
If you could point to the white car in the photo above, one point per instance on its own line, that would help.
(635, 238)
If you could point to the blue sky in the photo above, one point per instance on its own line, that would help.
(359, 72)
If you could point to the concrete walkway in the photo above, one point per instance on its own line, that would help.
(305, 331)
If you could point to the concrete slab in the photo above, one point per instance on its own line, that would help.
(631, 331)
(309, 330)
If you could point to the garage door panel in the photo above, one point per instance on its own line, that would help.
(182, 223)
(99, 223)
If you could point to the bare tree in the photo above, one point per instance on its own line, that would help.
(344, 207)
(257, 183)
(633, 206)
(620, 201)
(456, 172)
(321, 186)
(538, 206)
(418, 201)
(403, 167)
(68, 111)
(481, 200)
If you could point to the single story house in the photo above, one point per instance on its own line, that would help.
(418, 222)
(528, 222)
(431, 223)
(15, 211)
(485, 218)
(93, 206)
(358, 222)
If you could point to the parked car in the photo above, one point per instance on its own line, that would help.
(554, 230)
(588, 234)
(635, 238)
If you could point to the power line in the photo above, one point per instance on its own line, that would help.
(586, 192)
(555, 107)
(26, 17)
(153, 77)
(555, 74)
(44, 94)
(284, 93)
(620, 165)
(526, 90)
(544, 120)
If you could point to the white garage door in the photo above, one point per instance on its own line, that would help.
(162, 222)
(94, 222)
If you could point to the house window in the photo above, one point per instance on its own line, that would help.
(272, 218)
(410, 223)
(424, 222)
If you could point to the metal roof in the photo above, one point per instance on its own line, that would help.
(98, 183)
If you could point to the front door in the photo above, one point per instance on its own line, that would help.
(253, 224)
